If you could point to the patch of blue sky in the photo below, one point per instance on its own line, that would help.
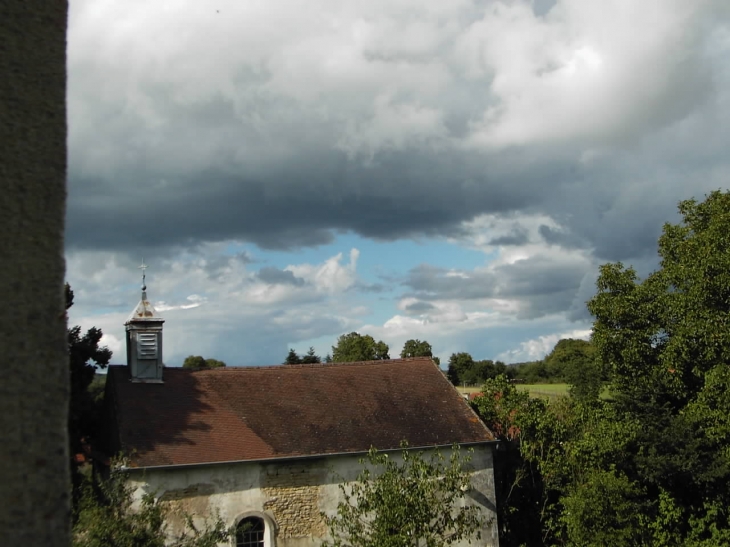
(378, 260)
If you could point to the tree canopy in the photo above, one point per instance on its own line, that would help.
(198, 361)
(86, 355)
(356, 347)
(293, 358)
(463, 369)
(104, 517)
(418, 348)
(651, 465)
(414, 501)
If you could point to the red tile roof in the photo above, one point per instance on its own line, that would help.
(232, 413)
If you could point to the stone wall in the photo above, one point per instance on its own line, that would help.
(294, 493)
(291, 495)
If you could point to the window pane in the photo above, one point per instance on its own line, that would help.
(250, 532)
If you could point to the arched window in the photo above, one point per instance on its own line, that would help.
(250, 532)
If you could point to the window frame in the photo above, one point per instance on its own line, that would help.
(269, 527)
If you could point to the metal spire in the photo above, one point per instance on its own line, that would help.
(143, 267)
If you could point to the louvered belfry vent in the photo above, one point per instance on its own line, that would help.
(147, 345)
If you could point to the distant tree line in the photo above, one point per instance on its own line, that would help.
(354, 347)
(198, 362)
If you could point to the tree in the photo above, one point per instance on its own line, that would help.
(106, 517)
(417, 501)
(666, 343)
(292, 358)
(575, 361)
(416, 348)
(311, 357)
(459, 365)
(356, 347)
(85, 357)
(198, 361)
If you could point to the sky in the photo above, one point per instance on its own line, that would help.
(454, 172)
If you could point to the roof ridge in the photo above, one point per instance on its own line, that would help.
(403, 360)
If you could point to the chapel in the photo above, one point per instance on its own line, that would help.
(266, 448)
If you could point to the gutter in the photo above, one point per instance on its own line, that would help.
(279, 459)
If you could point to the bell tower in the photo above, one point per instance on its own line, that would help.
(144, 340)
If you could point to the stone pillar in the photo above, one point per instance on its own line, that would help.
(34, 390)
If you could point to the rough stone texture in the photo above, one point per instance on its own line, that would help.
(34, 465)
(294, 493)
(291, 494)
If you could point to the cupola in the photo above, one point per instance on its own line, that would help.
(144, 340)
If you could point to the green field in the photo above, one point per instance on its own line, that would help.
(539, 390)
(535, 390)
(544, 390)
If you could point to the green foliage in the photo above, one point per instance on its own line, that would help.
(418, 348)
(533, 372)
(293, 358)
(666, 342)
(417, 501)
(518, 483)
(194, 361)
(551, 451)
(651, 466)
(311, 357)
(356, 347)
(463, 369)
(198, 361)
(459, 364)
(105, 516)
(85, 357)
(606, 509)
(576, 362)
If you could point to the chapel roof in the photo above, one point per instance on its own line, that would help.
(287, 411)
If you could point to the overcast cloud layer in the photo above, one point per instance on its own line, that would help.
(549, 136)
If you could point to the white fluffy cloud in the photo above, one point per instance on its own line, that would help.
(550, 136)
(537, 348)
(235, 314)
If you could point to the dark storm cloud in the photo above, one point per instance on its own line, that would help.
(516, 237)
(543, 285)
(562, 239)
(419, 307)
(275, 276)
(402, 195)
(271, 142)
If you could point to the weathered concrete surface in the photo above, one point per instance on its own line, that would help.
(34, 465)
(289, 495)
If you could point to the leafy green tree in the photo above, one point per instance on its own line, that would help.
(85, 357)
(418, 348)
(459, 366)
(194, 361)
(105, 517)
(666, 343)
(198, 361)
(531, 372)
(551, 462)
(576, 362)
(417, 501)
(356, 347)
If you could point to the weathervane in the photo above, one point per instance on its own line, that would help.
(143, 267)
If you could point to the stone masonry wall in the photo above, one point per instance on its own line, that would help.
(294, 493)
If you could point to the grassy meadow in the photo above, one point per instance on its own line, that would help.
(539, 390)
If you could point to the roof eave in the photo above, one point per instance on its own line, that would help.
(305, 457)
